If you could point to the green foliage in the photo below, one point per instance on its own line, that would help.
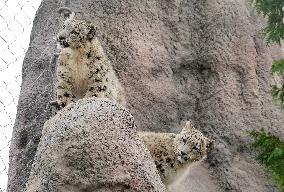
(277, 66)
(273, 33)
(273, 10)
(269, 146)
(271, 154)
(278, 94)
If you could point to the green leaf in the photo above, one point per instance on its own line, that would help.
(278, 94)
(277, 152)
(272, 10)
(270, 150)
(277, 66)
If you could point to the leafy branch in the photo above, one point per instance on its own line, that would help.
(273, 11)
(270, 154)
(270, 147)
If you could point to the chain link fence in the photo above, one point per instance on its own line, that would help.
(16, 19)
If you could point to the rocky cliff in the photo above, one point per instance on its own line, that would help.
(202, 60)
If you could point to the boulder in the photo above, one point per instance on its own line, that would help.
(92, 145)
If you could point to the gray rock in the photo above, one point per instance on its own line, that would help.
(92, 146)
(202, 60)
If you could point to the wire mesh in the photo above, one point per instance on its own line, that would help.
(16, 19)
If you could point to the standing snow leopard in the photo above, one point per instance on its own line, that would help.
(83, 69)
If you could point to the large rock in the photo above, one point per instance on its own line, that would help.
(92, 146)
(202, 60)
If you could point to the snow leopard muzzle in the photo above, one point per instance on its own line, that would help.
(62, 41)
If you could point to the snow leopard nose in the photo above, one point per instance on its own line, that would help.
(183, 155)
(62, 41)
(60, 38)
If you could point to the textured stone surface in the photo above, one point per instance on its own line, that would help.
(196, 179)
(202, 60)
(92, 146)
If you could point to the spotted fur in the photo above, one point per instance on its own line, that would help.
(83, 69)
(173, 153)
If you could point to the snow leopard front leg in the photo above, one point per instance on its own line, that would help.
(65, 83)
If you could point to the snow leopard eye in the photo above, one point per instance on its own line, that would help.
(74, 32)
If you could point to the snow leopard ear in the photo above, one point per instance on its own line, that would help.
(92, 32)
(188, 127)
(67, 13)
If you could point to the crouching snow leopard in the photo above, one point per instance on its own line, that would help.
(173, 153)
(83, 69)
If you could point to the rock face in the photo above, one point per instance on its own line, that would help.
(92, 146)
(202, 60)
